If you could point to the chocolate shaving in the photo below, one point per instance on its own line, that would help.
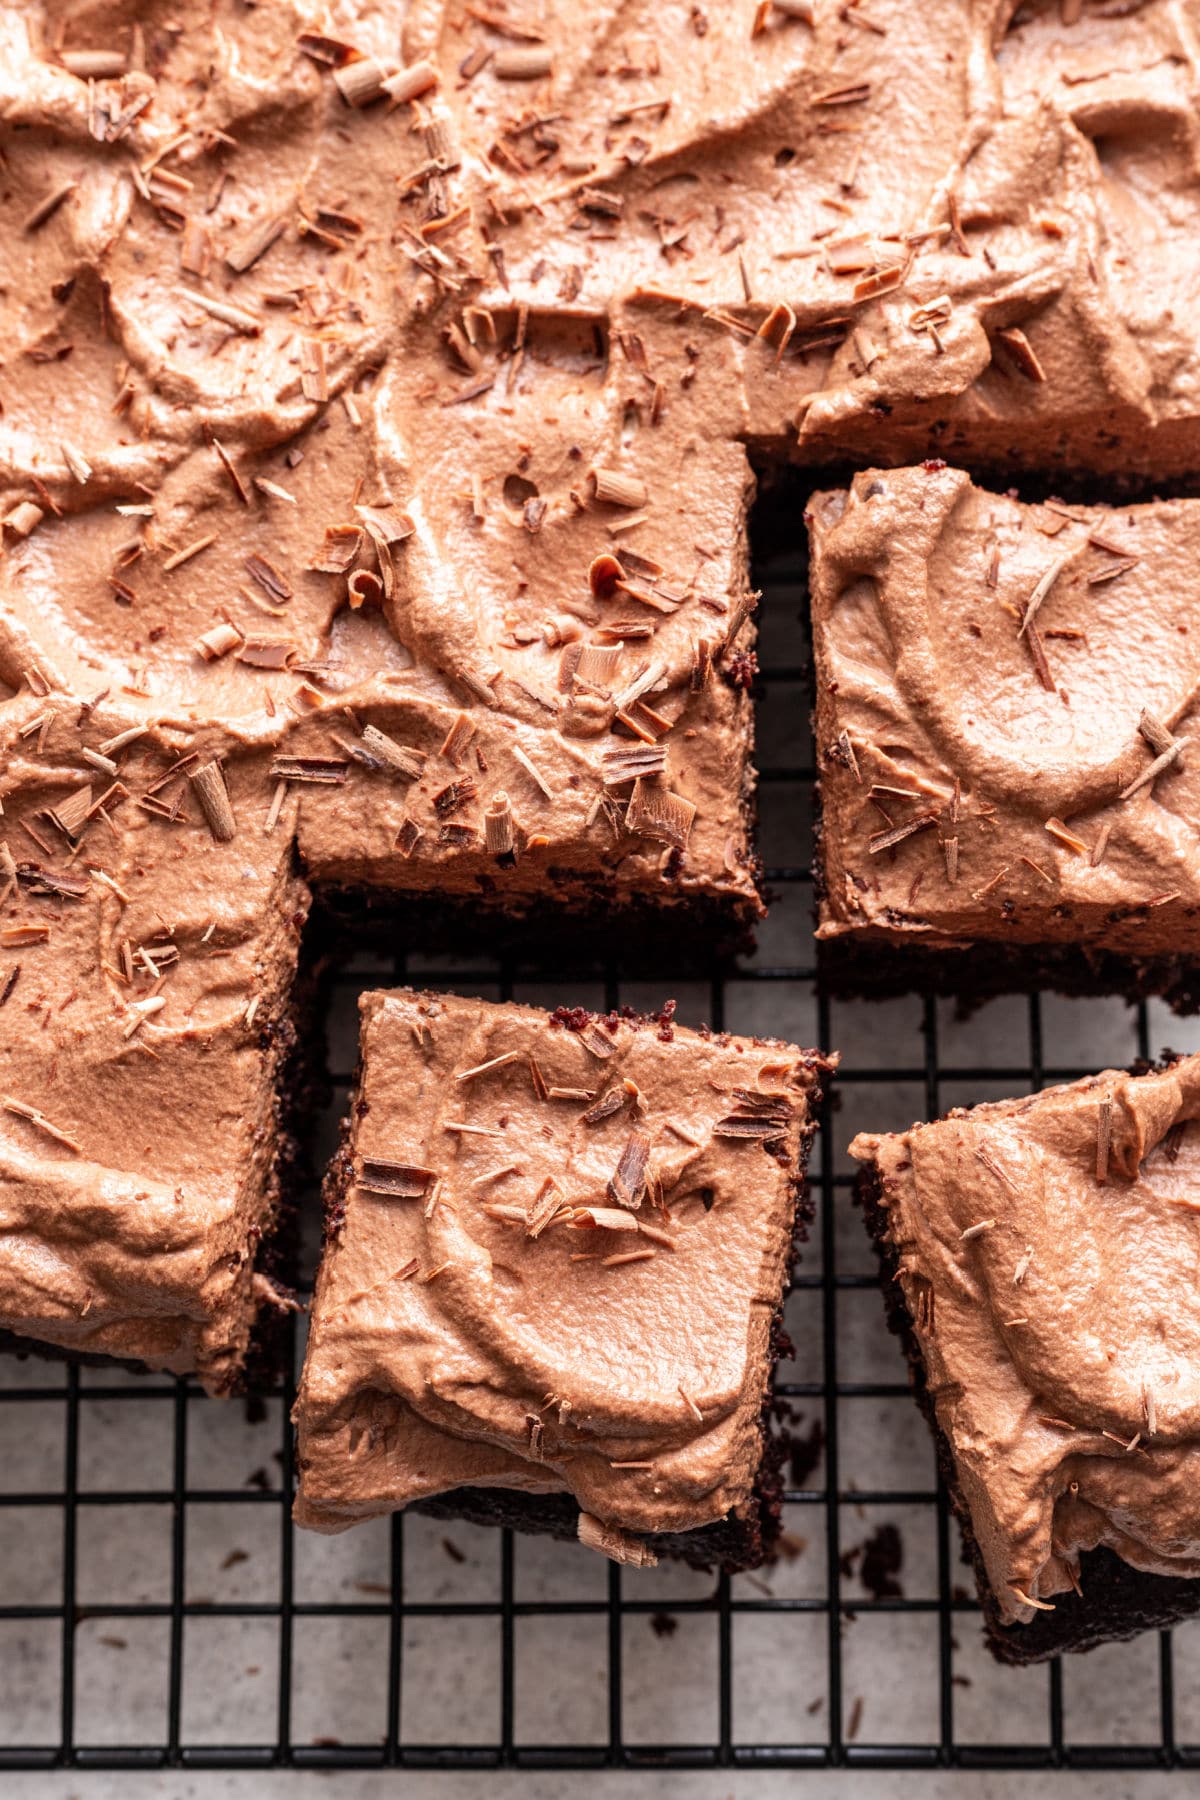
(762, 1122)
(485, 1068)
(605, 1107)
(246, 249)
(886, 840)
(1111, 574)
(1045, 582)
(1155, 732)
(595, 1039)
(330, 51)
(266, 653)
(208, 783)
(498, 832)
(47, 207)
(655, 812)
(399, 1181)
(1022, 353)
(23, 1111)
(1038, 655)
(753, 1100)
(23, 518)
(410, 83)
(216, 643)
(359, 82)
(458, 738)
(1058, 830)
(702, 656)
(400, 757)
(408, 837)
(454, 795)
(532, 770)
(545, 1208)
(386, 526)
(1154, 770)
(72, 814)
(631, 762)
(602, 1218)
(313, 382)
(950, 852)
(612, 488)
(178, 557)
(335, 560)
(628, 1184)
(527, 62)
(325, 770)
(994, 1168)
(1103, 1139)
(235, 316)
(619, 1546)
(50, 881)
(269, 578)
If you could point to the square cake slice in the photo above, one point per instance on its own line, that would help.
(558, 1246)
(151, 1068)
(1042, 1258)
(1005, 698)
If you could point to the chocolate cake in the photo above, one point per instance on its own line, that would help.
(1004, 703)
(1039, 1255)
(557, 1248)
(378, 403)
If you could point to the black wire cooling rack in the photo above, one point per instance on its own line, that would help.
(889, 1674)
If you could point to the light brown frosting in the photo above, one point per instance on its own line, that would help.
(132, 1225)
(993, 171)
(142, 1033)
(456, 1341)
(477, 481)
(921, 585)
(1040, 1295)
(476, 300)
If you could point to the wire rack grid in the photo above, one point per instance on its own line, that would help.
(156, 1608)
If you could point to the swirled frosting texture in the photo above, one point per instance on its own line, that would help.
(490, 1326)
(1048, 1304)
(967, 796)
(228, 412)
(318, 411)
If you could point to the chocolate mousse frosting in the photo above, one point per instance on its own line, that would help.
(883, 229)
(377, 391)
(1005, 703)
(309, 545)
(1045, 1249)
(556, 1247)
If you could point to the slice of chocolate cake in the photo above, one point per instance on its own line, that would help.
(148, 948)
(1041, 1257)
(1005, 698)
(557, 1249)
(379, 399)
